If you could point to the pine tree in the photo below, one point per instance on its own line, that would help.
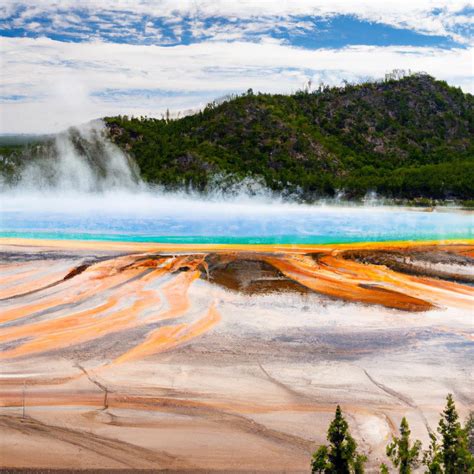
(341, 456)
(320, 462)
(359, 462)
(449, 429)
(452, 455)
(432, 458)
(402, 453)
(456, 456)
(469, 429)
(384, 469)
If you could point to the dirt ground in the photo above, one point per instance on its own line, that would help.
(124, 357)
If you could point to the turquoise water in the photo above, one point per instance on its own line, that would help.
(244, 240)
(189, 221)
(92, 193)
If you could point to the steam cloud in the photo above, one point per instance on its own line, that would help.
(81, 170)
(80, 160)
(82, 183)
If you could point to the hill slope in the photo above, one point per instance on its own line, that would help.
(401, 138)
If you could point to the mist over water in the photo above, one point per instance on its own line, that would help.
(80, 160)
(83, 186)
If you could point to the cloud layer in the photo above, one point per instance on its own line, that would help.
(68, 62)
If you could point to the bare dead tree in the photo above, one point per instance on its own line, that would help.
(24, 399)
(106, 395)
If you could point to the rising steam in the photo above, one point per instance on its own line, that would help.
(81, 184)
(81, 170)
(81, 160)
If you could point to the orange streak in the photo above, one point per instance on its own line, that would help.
(346, 283)
(86, 325)
(95, 279)
(82, 326)
(271, 248)
(33, 284)
(168, 337)
(7, 279)
(429, 289)
(329, 274)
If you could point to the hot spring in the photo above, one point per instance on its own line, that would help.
(85, 188)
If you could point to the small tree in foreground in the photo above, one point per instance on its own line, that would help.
(451, 455)
(469, 429)
(403, 454)
(340, 456)
(454, 441)
(433, 458)
(384, 469)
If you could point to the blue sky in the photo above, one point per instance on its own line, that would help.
(84, 59)
(306, 31)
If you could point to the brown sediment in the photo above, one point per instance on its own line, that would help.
(181, 403)
(248, 275)
(77, 271)
(123, 453)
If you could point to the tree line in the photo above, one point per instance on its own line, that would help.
(451, 448)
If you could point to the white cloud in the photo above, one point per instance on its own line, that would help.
(64, 76)
(435, 17)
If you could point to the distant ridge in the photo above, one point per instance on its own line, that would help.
(404, 138)
(409, 139)
(20, 139)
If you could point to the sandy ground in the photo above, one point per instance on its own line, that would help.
(137, 356)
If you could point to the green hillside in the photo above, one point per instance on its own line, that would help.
(404, 138)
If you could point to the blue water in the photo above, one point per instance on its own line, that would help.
(165, 220)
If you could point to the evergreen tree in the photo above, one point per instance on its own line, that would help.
(403, 454)
(469, 429)
(358, 464)
(341, 456)
(384, 469)
(432, 458)
(320, 461)
(452, 455)
(455, 453)
(449, 428)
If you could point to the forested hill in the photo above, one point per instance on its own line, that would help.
(402, 138)
(406, 138)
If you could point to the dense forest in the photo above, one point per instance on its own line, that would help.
(405, 138)
(410, 138)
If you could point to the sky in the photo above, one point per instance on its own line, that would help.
(66, 62)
